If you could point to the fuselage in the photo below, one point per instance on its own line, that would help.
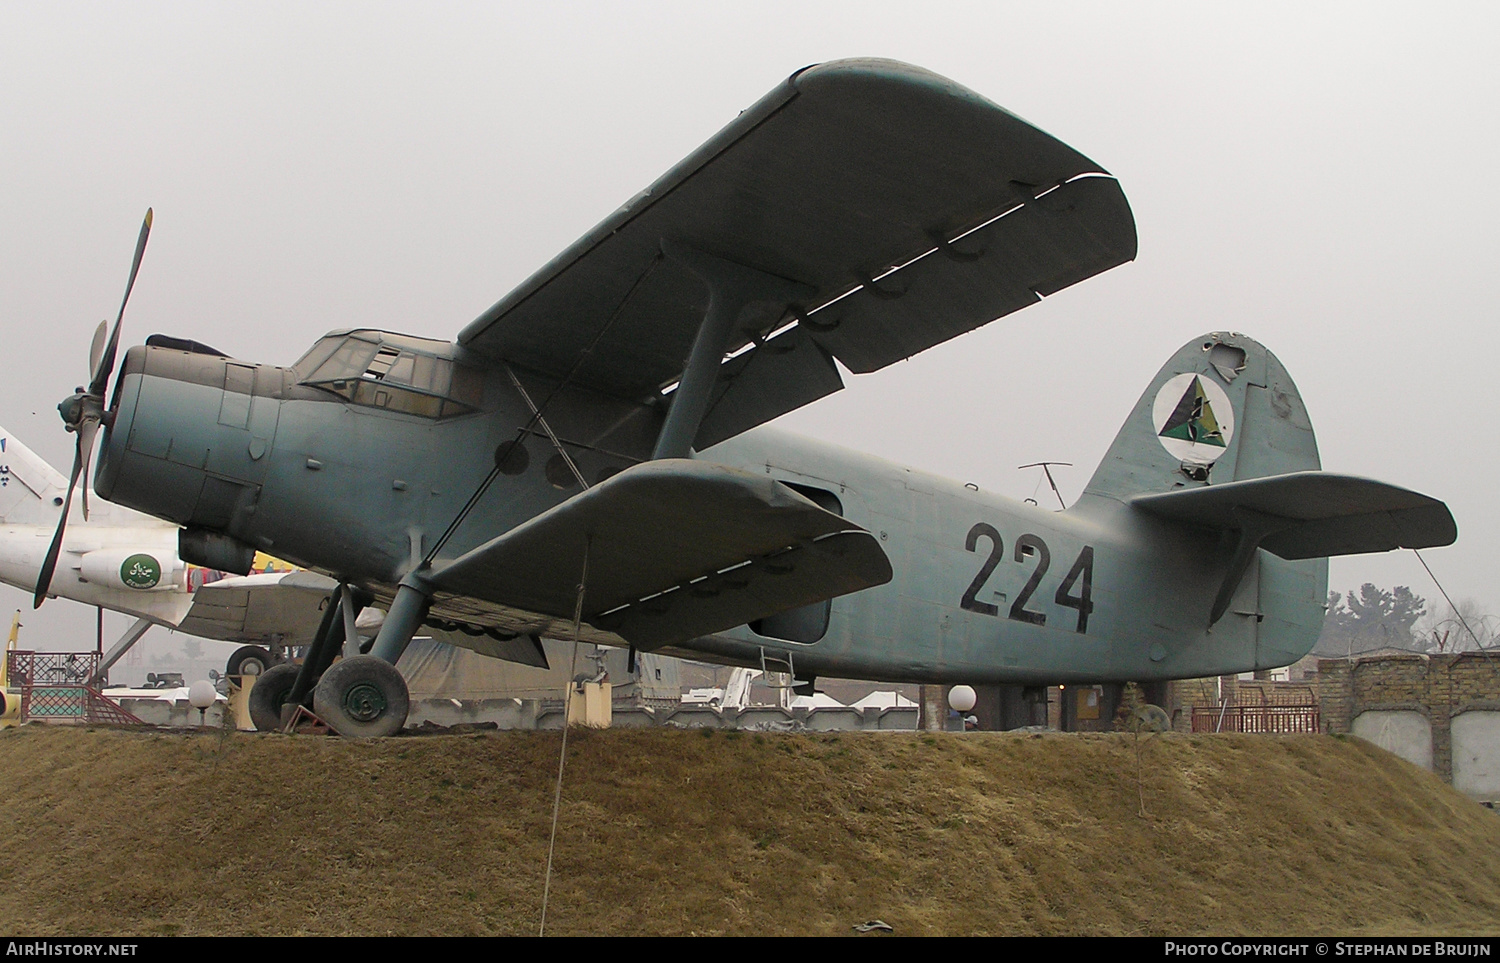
(360, 475)
(989, 589)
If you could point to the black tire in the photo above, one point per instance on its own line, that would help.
(362, 697)
(269, 694)
(249, 660)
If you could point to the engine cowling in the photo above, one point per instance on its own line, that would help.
(188, 434)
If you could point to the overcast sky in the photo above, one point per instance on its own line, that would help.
(1308, 174)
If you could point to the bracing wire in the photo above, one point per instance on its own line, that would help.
(562, 755)
(1477, 644)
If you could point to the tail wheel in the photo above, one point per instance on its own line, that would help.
(269, 694)
(249, 660)
(362, 697)
(1149, 718)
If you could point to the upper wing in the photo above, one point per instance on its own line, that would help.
(675, 549)
(284, 607)
(913, 209)
(1312, 514)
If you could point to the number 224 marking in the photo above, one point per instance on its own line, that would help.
(1080, 576)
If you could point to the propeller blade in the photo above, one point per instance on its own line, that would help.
(96, 350)
(86, 432)
(49, 564)
(107, 363)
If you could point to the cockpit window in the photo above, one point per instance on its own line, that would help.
(394, 373)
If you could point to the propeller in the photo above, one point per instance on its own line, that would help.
(83, 412)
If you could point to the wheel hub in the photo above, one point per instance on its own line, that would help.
(364, 702)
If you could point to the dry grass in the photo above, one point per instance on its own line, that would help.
(676, 832)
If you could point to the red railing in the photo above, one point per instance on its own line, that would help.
(1273, 719)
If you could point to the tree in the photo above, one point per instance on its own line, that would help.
(1371, 619)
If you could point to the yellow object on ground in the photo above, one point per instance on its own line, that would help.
(239, 701)
(591, 706)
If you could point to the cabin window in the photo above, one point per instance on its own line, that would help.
(809, 623)
(394, 377)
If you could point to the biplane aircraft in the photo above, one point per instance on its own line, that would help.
(588, 458)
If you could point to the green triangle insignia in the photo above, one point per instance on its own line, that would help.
(1193, 419)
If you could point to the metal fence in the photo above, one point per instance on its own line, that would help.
(54, 688)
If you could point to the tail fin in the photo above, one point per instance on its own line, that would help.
(1221, 442)
(1222, 409)
(31, 491)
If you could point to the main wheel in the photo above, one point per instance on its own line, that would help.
(362, 697)
(249, 660)
(269, 694)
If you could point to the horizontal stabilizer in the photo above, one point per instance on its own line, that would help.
(1312, 514)
(271, 607)
(676, 549)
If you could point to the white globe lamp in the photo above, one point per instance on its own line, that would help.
(962, 698)
(201, 695)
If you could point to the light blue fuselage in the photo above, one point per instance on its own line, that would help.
(363, 492)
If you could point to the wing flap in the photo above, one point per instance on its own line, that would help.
(824, 568)
(740, 546)
(1312, 514)
(522, 649)
(846, 171)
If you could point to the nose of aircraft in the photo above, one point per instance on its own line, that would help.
(188, 436)
(71, 408)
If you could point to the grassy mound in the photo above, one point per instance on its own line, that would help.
(677, 832)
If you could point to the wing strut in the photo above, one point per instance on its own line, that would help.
(117, 651)
(732, 288)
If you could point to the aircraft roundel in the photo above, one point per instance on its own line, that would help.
(140, 571)
(1193, 417)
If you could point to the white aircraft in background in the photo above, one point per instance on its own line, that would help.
(127, 562)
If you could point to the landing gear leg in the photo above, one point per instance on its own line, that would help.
(408, 609)
(320, 655)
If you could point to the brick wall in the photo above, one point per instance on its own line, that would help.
(1437, 686)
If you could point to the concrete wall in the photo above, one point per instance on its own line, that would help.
(1401, 731)
(1441, 712)
(534, 714)
(160, 712)
(1476, 753)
